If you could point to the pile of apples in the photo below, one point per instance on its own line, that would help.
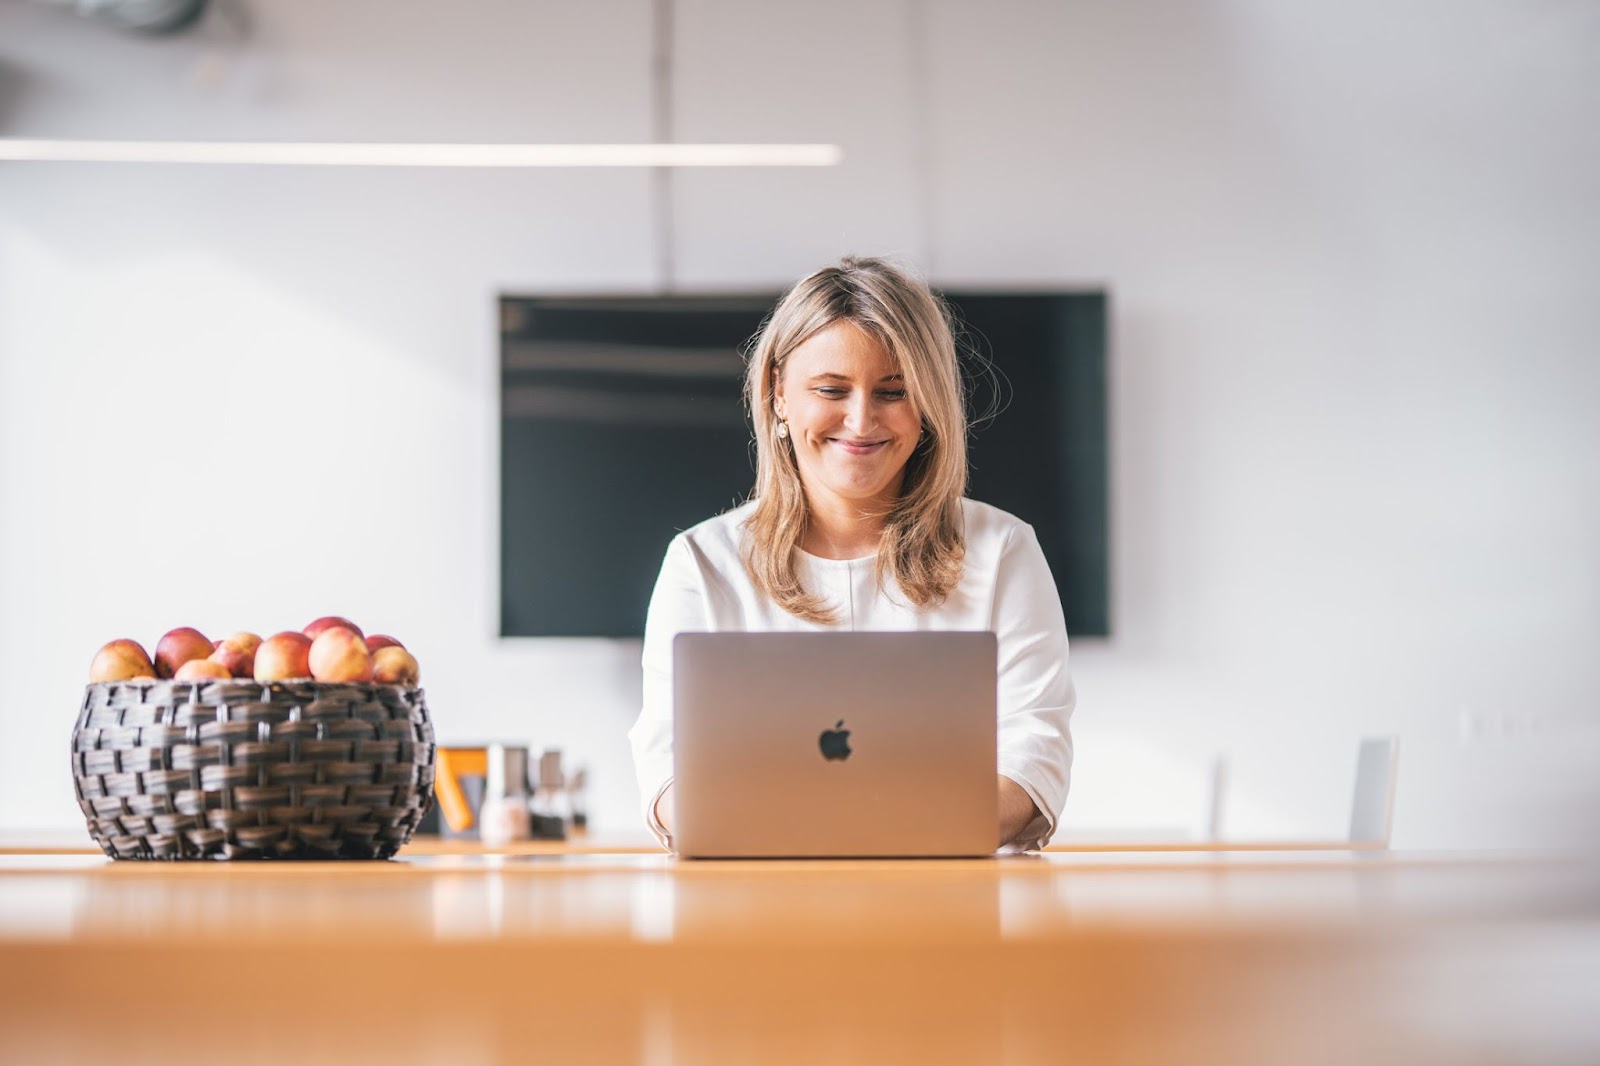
(330, 649)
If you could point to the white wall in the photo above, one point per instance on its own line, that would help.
(1353, 249)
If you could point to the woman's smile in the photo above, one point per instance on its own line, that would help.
(855, 447)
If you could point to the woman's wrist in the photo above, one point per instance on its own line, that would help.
(663, 809)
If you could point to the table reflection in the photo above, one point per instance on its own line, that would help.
(637, 958)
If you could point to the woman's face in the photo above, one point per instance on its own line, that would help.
(852, 423)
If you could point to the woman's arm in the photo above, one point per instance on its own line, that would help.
(1036, 695)
(678, 604)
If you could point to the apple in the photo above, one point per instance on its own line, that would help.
(380, 640)
(237, 652)
(179, 646)
(244, 640)
(198, 669)
(316, 629)
(394, 665)
(121, 660)
(237, 663)
(339, 654)
(283, 656)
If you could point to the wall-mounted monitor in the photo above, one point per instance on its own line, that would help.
(621, 423)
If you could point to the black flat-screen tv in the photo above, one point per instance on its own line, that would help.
(621, 423)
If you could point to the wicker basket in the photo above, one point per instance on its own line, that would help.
(241, 769)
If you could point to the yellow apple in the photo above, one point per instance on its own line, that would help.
(121, 660)
(394, 665)
(340, 655)
(199, 669)
(283, 656)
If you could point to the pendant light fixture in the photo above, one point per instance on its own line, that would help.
(662, 153)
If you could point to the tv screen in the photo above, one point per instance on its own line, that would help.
(621, 423)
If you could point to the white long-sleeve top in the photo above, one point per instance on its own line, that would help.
(1006, 588)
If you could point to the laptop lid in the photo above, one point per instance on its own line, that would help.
(834, 744)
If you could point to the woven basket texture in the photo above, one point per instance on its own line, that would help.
(245, 770)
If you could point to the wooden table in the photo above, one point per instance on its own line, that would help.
(564, 955)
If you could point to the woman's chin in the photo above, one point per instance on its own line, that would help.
(853, 479)
(863, 489)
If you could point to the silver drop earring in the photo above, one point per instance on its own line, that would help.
(783, 429)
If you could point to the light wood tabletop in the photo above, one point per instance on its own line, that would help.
(575, 954)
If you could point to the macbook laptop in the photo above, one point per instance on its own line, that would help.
(834, 744)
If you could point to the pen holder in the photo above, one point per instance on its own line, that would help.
(240, 769)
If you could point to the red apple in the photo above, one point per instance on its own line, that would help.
(237, 663)
(379, 640)
(283, 656)
(238, 653)
(179, 646)
(339, 654)
(315, 629)
(198, 669)
(121, 660)
(395, 666)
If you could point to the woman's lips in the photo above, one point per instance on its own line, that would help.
(854, 448)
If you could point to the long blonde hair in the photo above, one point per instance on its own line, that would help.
(922, 545)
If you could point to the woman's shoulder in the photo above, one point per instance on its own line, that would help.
(985, 525)
(720, 536)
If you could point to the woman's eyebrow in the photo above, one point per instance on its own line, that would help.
(840, 377)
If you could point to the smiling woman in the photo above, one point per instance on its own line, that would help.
(859, 522)
(855, 394)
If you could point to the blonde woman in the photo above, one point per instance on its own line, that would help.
(859, 521)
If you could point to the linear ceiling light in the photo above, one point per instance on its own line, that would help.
(424, 155)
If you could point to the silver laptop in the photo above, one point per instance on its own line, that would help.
(834, 744)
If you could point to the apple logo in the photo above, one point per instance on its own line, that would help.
(835, 742)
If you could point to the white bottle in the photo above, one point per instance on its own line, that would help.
(503, 818)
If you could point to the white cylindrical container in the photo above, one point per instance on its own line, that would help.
(504, 817)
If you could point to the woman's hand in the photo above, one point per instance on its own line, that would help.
(1016, 809)
(664, 810)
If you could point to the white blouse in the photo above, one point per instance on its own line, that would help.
(1006, 588)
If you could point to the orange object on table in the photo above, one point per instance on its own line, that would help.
(455, 763)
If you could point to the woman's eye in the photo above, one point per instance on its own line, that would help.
(834, 392)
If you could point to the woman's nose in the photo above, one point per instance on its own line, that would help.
(859, 416)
